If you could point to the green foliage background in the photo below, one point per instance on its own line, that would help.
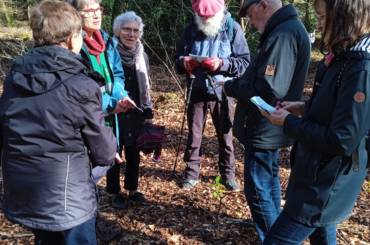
(164, 19)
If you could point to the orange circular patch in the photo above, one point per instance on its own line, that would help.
(359, 97)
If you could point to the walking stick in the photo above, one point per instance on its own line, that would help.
(187, 102)
(184, 117)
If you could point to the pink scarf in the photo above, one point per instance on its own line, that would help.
(95, 45)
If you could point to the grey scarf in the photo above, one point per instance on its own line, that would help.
(136, 58)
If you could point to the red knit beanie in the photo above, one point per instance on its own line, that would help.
(207, 8)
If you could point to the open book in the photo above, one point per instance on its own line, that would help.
(198, 57)
(262, 105)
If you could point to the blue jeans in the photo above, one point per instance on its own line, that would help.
(262, 187)
(84, 233)
(287, 231)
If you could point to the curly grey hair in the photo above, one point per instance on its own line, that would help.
(129, 16)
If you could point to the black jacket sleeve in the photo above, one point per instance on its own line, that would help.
(98, 138)
(3, 100)
(350, 119)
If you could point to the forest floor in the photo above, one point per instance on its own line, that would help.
(175, 216)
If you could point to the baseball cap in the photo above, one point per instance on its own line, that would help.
(246, 4)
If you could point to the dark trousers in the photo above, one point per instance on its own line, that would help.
(131, 172)
(197, 113)
(84, 233)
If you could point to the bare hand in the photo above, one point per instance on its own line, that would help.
(294, 107)
(119, 159)
(126, 104)
(277, 117)
(117, 109)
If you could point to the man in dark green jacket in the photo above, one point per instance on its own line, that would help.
(277, 73)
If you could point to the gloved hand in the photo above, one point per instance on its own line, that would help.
(190, 64)
(212, 64)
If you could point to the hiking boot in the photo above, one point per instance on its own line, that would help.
(137, 197)
(189, 184)
(119, 202)
(231, 185)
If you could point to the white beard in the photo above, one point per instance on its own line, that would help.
(211, 26)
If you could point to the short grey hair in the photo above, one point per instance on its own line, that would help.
(127, 17)
(275, 2)
(80, 4)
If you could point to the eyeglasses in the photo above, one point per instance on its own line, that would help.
(127, 30)
(91, 12)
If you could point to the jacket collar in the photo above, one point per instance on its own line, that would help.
(281, 15)
(361, 50)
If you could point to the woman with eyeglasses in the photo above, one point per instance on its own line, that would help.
(128, 29)
(100, 51)
(330, 159)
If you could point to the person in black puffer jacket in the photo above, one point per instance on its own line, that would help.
(53, 132)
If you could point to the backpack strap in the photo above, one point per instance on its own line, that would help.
(230, 28)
